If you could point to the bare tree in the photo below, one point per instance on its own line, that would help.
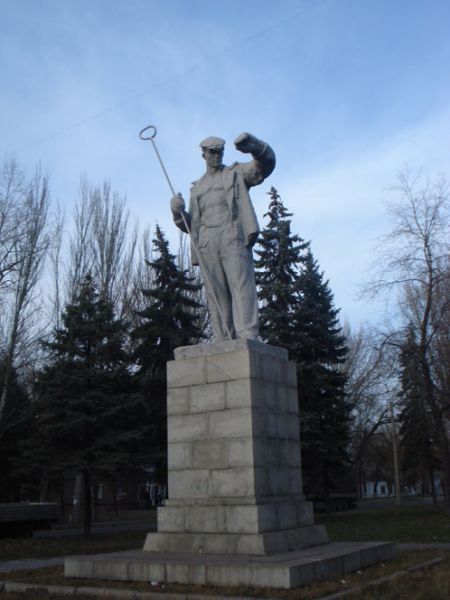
(26, 253)
(413, 261)
(113, 246)
(80, 246)
(143, 274)
(370, 386)
(102, 244)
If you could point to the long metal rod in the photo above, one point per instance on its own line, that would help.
(185, 223)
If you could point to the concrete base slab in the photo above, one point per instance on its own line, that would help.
(284, 570)
(229, 543)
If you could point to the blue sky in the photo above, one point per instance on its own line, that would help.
(346, 91)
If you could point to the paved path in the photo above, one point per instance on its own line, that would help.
(30, 563)
(418, 546)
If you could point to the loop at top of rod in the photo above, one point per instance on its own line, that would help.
(151, 135)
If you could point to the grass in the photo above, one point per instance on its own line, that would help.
(19, 548)
(417, 524)
(406, 524)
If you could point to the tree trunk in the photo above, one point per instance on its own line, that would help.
(94, 494)
(87, 509)
(43, 492)
(116, 504)
(77, 498)
(326, 493)
(61, 497)
(432, 486)
(359, 479)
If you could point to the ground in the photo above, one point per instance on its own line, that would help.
(422, 524)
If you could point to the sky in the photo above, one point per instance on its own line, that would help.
(347, 92)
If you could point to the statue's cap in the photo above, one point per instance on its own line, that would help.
(212, 142)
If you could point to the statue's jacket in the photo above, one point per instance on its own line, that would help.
(237, 179)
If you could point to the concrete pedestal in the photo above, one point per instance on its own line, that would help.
(236, 504)
(235, 481)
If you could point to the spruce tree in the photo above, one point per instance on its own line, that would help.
(277, 270)
(17, 419)
(297, 313)
(168, 321)
(418, 448)
(324, 410)
(90, 419)
(170, 318)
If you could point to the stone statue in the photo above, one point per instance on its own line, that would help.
(224, 228)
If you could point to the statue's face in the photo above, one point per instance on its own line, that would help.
(213, 157)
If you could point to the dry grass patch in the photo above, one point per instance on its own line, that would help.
(21, 548)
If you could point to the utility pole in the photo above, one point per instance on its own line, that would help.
(398, 499)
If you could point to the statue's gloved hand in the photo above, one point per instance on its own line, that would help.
(177, 204)
(248, 143)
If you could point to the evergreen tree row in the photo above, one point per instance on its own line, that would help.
(100, 408)
(297, 313)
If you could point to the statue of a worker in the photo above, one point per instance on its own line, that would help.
(224, 228)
